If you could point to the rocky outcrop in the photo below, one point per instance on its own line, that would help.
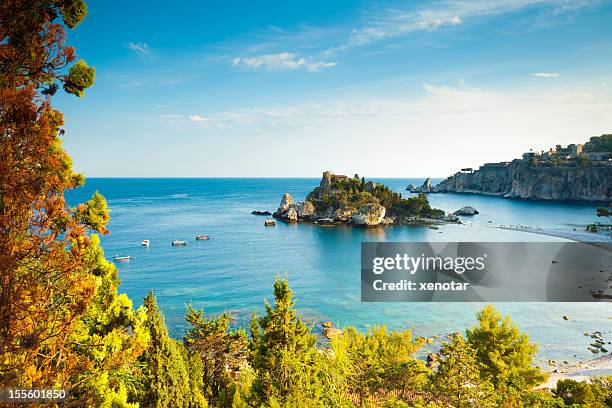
(412, 188)
(285, 203)
(343, 214)
(370, 215)
(291, 211)
(467, 210)
(257, 212)
(305, 210)
(519, 179)
(426, 187)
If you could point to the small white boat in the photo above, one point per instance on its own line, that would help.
(200, 237)
(145, 242)
(178, 242)
(122, 258)
(269, 222)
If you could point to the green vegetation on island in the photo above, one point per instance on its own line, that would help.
(353, 193)
(342, 199)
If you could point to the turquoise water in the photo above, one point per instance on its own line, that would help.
(234, 270)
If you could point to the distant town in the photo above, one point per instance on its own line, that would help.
(597, 151)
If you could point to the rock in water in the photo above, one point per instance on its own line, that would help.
(286, 201)
(257, 212)
(426, 187)
(467, 210)
(412, 188)
(451, 218)
(331, 332)
(369, 215)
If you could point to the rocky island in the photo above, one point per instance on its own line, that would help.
(576, 173)
(343, 200)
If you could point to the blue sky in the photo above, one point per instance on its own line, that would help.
(284, 89)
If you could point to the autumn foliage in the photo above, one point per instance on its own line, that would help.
(59, 307)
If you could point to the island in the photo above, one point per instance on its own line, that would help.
(577, 172)
(340, 199)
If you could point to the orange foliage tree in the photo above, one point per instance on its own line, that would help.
(62, 322)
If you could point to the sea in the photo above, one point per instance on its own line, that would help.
(234, 270)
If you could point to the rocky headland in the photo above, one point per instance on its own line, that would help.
(343, 200)
(573, 173)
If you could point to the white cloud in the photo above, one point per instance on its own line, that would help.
(140, 47)
(197, 118)
(545, 75)
(281, 62)
(394, 22)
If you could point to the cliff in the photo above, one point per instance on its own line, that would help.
(520, 179)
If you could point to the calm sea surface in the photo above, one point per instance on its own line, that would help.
(234, 270)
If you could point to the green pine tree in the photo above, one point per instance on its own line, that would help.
(222, 352)
(504, 351)
(289, 370)
(165, 379)
(457, 381)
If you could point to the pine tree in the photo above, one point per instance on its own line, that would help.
(504, 351)
(164, 381)
(458, 381)
(289, 370)
(377, 363)
(222, 352)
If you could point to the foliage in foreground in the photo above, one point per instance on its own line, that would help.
(281, 365)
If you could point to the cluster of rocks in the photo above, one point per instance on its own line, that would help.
(426, 187)
(598, 344)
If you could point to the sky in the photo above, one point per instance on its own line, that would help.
(291, 89)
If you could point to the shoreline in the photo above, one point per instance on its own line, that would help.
(580, 371)
(579, 236)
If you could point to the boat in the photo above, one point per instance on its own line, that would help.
(269, 222)
(145, 242)
(122, 258)
(178, 242)
(202, 237)
(325, 222)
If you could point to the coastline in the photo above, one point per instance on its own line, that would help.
(580, 371)
(579, 236)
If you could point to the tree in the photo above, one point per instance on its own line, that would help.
(369, 366)
(289, 370)
(505, 353)
(458, 380)
(596, 394)
(222, 352)
(62, 322)
(164, 380)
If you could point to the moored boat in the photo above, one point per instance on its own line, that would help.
(145, 242)
(122, 258)
(269, 222)
(178, 242)
(200, 237)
